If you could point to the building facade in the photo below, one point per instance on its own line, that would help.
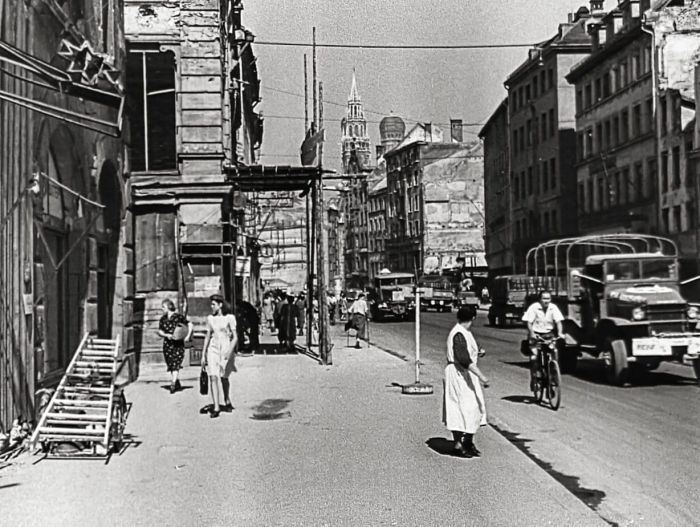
(498, 232)
(377, 225)
(616, 145)
(192, 87)
(541, 111)
(63, 206)
(434, 206)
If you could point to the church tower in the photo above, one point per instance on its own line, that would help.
(354, 130)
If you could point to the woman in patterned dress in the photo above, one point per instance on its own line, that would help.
(219, 354)
(173, 350)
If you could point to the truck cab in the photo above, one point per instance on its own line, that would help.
(392, 295)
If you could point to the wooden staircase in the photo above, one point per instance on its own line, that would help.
(86, 409)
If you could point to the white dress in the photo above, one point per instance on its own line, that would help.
(221, 353)
(464, 409)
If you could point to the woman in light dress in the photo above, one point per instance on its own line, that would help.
(464, 409)
(219, 354)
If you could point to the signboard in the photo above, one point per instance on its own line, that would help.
(424, 291)
(205, 286)
(243, 266)
(397, 296)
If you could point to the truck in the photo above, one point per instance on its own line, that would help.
(392, 295)
(439, 293)
(508, 298)
(620, 296)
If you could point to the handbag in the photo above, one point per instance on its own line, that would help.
(203, 382)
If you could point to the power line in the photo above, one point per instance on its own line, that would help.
(300, 118)
(394, 46)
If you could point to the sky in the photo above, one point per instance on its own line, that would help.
(418, 85)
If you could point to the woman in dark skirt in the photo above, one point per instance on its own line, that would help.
(173, 349)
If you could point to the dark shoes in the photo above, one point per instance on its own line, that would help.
(358, 345)
(214, 414)
(467, 451)
(228, 408)
(206, 409)
(176, 387)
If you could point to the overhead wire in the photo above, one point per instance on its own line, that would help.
(394, 46)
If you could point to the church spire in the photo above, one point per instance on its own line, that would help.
(354, 95)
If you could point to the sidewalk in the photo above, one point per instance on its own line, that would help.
(306, 445)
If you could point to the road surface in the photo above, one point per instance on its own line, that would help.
(631, 454)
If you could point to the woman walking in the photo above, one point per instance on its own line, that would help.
(464, 409)
(219, 354)
(268, 310)
(173, 341)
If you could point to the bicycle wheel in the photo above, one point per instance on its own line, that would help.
(554, 385)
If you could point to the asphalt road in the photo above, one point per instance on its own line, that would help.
(631, 454)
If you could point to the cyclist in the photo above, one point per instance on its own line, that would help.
(543, 320)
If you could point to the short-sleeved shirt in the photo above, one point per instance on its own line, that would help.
(543, 322)
(359, 306)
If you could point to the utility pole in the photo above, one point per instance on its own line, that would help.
(306, 98)
(313, 73)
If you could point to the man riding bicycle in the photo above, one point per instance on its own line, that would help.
(543, 319)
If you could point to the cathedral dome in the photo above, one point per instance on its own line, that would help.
(392, 128)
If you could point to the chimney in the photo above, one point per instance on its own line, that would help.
(456, 130)
(428, 135)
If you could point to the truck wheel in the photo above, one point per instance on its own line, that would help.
(568, 359)
(502, 321)
(492, 320)
(615, 357)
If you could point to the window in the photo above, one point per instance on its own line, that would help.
(637, 184)
(151, 110)
(528, 128)
(663, 116)
(665, 219)
(543, 81)
(675, 113)
(676, 167)
(587, 96)
(600, 198)
(615, 139)
(651, 187)
(552, 123)
(545, 176)
(623, 196)
(550, 76)
(528, 95)
(599, 137)
(581, 198)
(579, 100)
(515, 141)
(677, 225)
(624, 78)
(535, 87)
(690, 215)
(590, 202)
(636, 120)
(634, 70)
(615, 190)
(530, 182)
(553, 173)
(555, 222)
(688, 171)
(664, 171)
(516, 188)
(522, 138)
(589, 142)
(624, 125)
(606, 133)
(543, 126)
(580, 153)
(646, 59)
(598, 93)
(648, 115)
(606, 85)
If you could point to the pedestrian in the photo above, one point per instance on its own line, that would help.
(278, 303)
(332, 307)
(301, 309)
(248, 326)
(464, 409)
(173, 344)
(219, 354)
(268, 311)
(287, 323)
(357, 315)
(343, 307)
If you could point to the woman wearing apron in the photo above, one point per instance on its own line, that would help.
(464, 409)
(219, 354)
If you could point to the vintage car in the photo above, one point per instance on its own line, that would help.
(392, 296)
(438, 293)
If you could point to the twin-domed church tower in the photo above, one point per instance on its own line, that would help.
(354, 134)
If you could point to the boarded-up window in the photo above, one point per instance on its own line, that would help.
(151, 107)
(156, 259)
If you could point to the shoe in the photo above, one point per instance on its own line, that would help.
(214, 414)
(472, 451)
(357, 345)
(205, 409)
(461, 451)
(173, 388)
(228, 408)
(178, 386)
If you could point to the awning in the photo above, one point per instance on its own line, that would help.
(84, 62)
(273, 178)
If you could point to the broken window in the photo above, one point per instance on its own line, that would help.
(151, 107)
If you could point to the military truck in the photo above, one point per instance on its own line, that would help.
(392, 295)
(508, 298)
(620, 295)
(439, 293)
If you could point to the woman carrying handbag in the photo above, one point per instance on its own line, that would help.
(219, 354)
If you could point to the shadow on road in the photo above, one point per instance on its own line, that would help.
(522, 399)
(271, 410)
(591, 497)
(9, 485)
(442, 445)
(182, 388)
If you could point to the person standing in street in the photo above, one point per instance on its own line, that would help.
(301, 309)
(268, 309)
(287, 323)
(173, 344)
(358, 319)
(464, 409)
(219, 354)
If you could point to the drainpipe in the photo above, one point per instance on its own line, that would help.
(654, 95)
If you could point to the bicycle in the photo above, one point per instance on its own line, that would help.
(550, 379)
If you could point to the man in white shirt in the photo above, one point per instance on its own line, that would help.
(357, 315)
(542, 318)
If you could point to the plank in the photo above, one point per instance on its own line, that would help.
(52, 421)
(77, 417)
(78, 402)
(57, 431)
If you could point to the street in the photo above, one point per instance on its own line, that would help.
(630, 454)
